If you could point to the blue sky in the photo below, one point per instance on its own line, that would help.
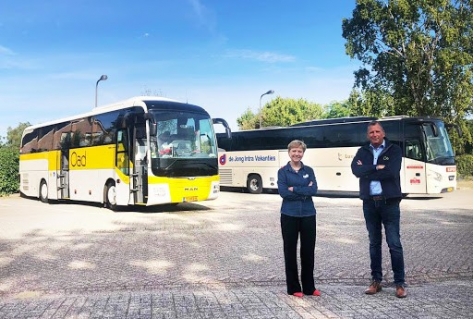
(218, 54)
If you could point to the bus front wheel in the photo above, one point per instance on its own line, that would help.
(111, 196)
(254, 184)
(43, 194)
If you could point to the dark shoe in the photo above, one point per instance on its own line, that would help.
(374, 288)
(401, 292)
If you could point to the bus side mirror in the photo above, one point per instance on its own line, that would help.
(151, 122)
(153, 129)
(435, 130)
(224, 123)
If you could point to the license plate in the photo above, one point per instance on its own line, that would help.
(190, 199)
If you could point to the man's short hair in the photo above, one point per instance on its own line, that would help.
(373, 123)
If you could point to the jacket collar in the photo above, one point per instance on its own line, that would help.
(289, 168)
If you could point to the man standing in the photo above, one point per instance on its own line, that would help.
(377, 165)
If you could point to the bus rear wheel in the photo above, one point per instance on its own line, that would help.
(43, 193)
(254, 184)
(111, 196)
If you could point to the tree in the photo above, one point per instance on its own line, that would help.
(248, 120)
(371, 103)
(284, 112)
(281, 112)
(337, 109)
(14, 135)
(9, 159)
(9, 162)
(149, 92)
(416, 52)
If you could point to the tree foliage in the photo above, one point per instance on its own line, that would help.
(416, 55)
(418, 51)
(371, 103)
(14, 135)
(9, 161)
(248, 120)
(281, 112)
(337, 109)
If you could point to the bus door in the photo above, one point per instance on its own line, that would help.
(63, 173)
(139, 184)
(413, 171)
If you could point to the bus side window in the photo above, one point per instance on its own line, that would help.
(413, 149)
(29, 144)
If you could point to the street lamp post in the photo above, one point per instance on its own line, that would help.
(260, 105)
(102, 78)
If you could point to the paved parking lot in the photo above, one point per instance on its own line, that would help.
(223, 259)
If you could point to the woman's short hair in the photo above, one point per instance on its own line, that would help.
(297, 144)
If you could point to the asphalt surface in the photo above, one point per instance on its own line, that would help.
(223, 259)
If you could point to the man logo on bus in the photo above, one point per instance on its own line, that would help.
(78, 160)
(223, 159)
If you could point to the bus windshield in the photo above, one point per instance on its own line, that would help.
(438, 146)
(184, 144)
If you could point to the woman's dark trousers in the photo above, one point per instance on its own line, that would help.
(305, 228)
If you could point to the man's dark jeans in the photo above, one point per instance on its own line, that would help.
(384, 212)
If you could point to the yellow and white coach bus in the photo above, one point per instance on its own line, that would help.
(146, 150)
(251, 159)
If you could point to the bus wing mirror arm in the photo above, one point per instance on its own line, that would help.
(152, 124)
(224, 123)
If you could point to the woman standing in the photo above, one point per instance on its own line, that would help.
(296, 185)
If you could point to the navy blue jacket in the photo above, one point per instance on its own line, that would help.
(299, 202)
(389, 176)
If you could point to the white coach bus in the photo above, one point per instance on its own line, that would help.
(250, 159)
(114, 155)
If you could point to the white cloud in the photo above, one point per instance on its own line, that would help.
(6, 51)
(205, 16)
(268, 57)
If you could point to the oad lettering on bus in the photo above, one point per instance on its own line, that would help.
(78, 160)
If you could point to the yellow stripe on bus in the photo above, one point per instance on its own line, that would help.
(95, 157)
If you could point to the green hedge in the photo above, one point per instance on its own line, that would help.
(464, 166)
(9, 165)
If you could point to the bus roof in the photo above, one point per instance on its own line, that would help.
(353, 119)
(130, 102)
(348, 119)
(133, 101)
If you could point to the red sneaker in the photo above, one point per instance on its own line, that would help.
(316, 293)
(298, 294)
